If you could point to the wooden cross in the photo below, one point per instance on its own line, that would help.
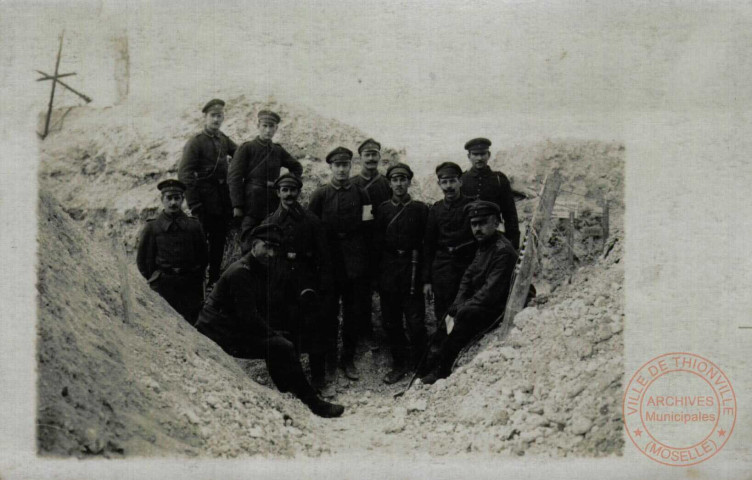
(55, 80)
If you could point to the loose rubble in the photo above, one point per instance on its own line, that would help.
(154, 386)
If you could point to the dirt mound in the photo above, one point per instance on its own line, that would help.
(104, 165)
(552, 387)
(154, 386)
(149, 386)
(589, 168)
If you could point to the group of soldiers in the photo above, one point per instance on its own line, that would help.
(357, 235)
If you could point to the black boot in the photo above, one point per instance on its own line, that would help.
(348, 366)
(395, 374)
(323, 408)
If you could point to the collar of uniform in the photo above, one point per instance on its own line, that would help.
(368, 179)
(263, 142)
(166, 220)
(209, 134)
(296, 211)
(480, 172)
(338, 186)
(453, 204)
(490, 241)
(405, 201)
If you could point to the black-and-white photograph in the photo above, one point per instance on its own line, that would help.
(323, 232)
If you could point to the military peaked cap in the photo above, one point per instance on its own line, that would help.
(268, 232)
(481, 208)
(269, 115)
(478, 144)
(448, 169)
(369, 144)
(211, 103)
(399, 169)
(288, 180)
(339, 154)
(171, 185)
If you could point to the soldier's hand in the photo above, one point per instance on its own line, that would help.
(449, 321)
(237, 212)
(428, 291)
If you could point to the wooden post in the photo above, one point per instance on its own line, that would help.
(54, 84)
(570, 239)
(85, 98)
(125, 286)
(604, 223)
(526, 264)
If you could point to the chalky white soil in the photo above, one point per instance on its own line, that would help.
(150, 385)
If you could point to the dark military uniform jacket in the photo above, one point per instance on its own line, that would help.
(203, 170)
(377, 188)
(341, 208)
(399, 231)
(171, 244)
(237, 307)
(254, 167)
(492, 186)
(448, 234)
(488, 279)
(304, 253)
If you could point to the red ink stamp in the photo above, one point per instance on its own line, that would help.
(679, 409)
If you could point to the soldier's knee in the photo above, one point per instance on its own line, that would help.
(279, 345)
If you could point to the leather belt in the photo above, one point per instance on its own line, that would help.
(342, 235)
(399, 252)
(178, 271)
(261, 183)
(299, 256)
(459, 249)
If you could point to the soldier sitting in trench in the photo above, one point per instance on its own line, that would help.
(172, 253)
(483, 291)
(237, 316)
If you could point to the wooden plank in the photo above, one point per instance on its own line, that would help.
(86, 98)
(126, 297)
(592, 231)
(604, 222)
(49, 77)
(54, 84)
(528, 256)
(570, 239)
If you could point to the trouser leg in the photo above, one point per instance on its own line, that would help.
(329, 329)
(285, 369)
(446, 282)
(468, 323)
(415, 319)
(349, 321)
(355, 298)
(444, 291)
(391, 314)
(434, 347)
(215, 229)
(184, 293)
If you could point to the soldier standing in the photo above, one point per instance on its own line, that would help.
(369, 178)
(400, 226)
(449, 243)
(172, 253)
(305, 276)
(483, 292)
(378, 190)
(203, 170)
(344, 208)
(482, 183)
(252, 173)
(237, 313)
